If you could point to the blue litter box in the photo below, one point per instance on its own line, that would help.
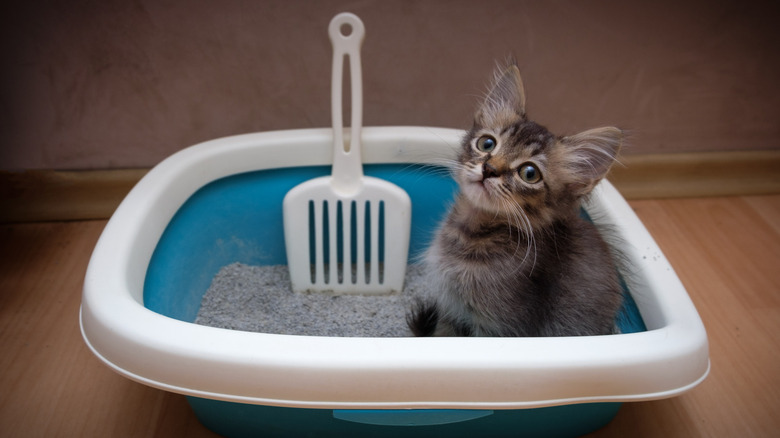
(220, 202)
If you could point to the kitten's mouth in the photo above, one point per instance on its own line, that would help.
(486, 184)
(477, 186)
(481, 193)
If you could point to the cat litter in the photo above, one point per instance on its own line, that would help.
(259, 299)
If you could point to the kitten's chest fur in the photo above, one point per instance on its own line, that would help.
(496, 279)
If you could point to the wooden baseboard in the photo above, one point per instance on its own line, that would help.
(43, 195)
(657, 176)
(49, 195)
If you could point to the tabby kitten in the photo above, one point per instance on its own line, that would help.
(514, 257)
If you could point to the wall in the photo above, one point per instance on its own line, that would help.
(120, 84)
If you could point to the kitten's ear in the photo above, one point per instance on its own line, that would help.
(506, 97)
(592, 153)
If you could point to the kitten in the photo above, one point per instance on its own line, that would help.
(514, 257)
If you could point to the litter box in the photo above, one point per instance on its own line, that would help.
(220, 202)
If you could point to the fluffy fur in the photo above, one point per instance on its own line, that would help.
(513, 257)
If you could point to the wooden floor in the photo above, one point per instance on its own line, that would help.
(725, 250)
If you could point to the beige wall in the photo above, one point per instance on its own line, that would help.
(115, 83)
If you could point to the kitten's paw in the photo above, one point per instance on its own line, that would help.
(423, 318)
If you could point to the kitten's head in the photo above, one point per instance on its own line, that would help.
(509, 162)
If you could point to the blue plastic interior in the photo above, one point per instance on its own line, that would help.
(239, 219)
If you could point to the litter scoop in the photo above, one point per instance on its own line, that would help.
(347, 233)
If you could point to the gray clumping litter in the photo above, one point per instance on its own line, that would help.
(259, 299)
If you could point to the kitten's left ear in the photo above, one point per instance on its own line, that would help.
(593, 153)
(506, 96)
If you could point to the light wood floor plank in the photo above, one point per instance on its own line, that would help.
(727, 256)
(51, 384)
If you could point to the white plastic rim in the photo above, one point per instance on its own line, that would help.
(327, 372)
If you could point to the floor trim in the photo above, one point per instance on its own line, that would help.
(689, 175)
(49, 195)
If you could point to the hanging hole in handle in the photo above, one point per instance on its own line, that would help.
(346, 30)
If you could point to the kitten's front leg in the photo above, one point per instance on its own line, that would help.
(425, 320)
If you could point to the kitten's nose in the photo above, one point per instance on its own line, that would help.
(488, 171)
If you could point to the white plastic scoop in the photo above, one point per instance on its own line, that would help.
(347, 233)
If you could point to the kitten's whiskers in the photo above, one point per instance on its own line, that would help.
(517, 219)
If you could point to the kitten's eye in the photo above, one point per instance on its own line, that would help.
(486, 143)
(529, 173)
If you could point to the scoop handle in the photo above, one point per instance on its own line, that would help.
(346, 33)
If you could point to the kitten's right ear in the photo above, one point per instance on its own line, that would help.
(592, 153)
(506, 98)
